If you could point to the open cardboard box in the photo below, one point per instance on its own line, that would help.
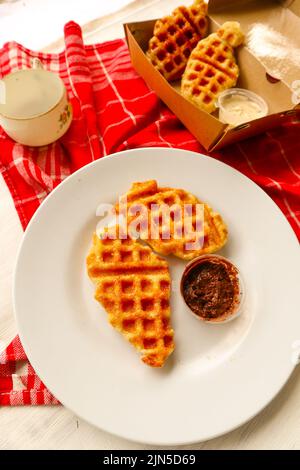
(281, 16)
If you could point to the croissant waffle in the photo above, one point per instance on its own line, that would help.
(175, 37)
(212, 67)
(133, 285)
(211, 236)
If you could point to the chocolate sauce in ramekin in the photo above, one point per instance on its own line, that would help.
(211, 288)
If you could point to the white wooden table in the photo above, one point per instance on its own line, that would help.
(277, 427)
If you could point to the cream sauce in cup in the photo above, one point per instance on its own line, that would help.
(237, 106)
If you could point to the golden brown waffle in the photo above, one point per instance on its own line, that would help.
(133, 285)
(174, 38)
(212, 67)
(210, 236)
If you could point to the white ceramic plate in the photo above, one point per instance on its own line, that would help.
(219, 375)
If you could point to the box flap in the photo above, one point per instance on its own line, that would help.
(293, 5)
(272, 37)
(220, 5)
(244, 131)
(217, 5)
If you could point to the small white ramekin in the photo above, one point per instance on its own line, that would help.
(228, 117)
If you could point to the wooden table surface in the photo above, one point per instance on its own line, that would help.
(277, 427)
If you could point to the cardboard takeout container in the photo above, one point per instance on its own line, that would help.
(282, 18)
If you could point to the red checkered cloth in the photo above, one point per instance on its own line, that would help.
(114, 110)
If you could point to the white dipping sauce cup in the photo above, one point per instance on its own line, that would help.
(239, 112)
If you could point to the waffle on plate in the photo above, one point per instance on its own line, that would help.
(174, 38)
(204, 228)
(133, 285)
(212, 67)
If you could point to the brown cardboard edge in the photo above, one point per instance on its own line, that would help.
(244, 131)
(217, 5)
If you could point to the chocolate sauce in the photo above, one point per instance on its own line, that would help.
(210, 287)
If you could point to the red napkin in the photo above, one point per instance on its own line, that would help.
(115, 110)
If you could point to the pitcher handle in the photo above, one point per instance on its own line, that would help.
(36, 63)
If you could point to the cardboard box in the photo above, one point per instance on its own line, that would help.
(282, 17)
